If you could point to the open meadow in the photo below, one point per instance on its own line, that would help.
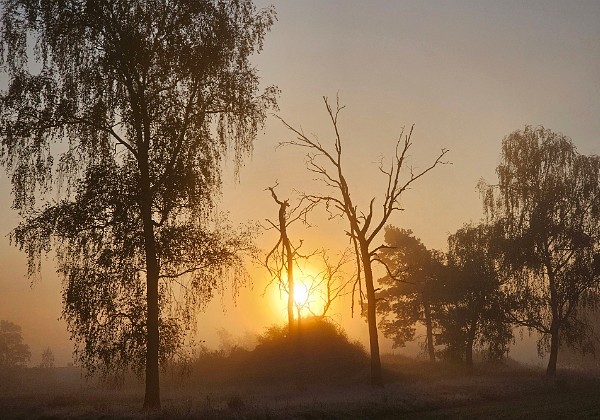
(415, 389)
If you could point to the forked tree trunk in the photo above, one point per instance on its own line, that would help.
(152, 395)
(289, 256)
(376, 375)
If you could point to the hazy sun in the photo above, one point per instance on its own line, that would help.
(301, 295)
(308, 294)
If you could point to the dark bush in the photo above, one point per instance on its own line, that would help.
(319, 353)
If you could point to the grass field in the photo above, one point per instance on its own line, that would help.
(415, 389)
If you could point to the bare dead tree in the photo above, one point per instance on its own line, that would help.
(281, 258)
(327, 165)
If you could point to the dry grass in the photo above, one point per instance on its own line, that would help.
(415, 390)
(325, 378)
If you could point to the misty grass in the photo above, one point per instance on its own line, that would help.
(333, 384)
(423, 390)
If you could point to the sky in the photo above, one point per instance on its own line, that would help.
(465, 73)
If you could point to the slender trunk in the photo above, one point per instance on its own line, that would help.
(429, 327)
(469, 353)
(469, 344)
(554, 326)
(289, 256)
(554, 343)
(376, 375)
(152, 396)
(298, 355)
(290, 276)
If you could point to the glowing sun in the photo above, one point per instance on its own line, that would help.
(301, 294)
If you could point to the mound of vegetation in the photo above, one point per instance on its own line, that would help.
(318, 353)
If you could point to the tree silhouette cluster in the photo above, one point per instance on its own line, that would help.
(534, 262)
(456, 295)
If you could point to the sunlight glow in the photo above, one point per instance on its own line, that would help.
(309, 294)
(301, 295)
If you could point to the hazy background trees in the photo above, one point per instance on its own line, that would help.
(13, 351)
(547, 204)
(473, 314)
(456, 296)
(123, 110)
(534, 264)
(411, 289)
(47, 359)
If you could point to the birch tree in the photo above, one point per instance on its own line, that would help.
(547, 201)
(115, 121)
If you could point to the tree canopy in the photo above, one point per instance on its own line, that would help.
(410, 290)
(474, 308)
(113, 128)
(547, 202)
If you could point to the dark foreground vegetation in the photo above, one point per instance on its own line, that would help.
(416, 389)
(326, 379)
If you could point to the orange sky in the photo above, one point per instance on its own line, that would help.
(465, 73)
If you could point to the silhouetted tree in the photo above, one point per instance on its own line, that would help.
(283, 256)
(13, 352)
(363, 227)
(47, 359)
(128, 114)
(474, 311)
(410, 289)
(547, 203)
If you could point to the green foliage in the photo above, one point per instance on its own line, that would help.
(13, 352)
(113, 133)
(547, 206)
